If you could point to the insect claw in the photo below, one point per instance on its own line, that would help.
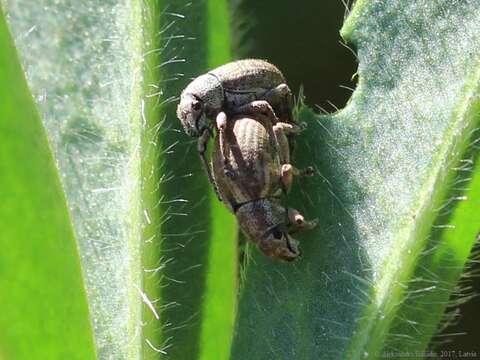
(308, 171)
(311, 224)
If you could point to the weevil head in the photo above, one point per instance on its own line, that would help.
(202, 98)
(264, 222)
(191, 113)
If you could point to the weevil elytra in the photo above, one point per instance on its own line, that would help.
(214, 97)
(253, 180)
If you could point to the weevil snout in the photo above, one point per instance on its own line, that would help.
(279, 244)
(191, 113)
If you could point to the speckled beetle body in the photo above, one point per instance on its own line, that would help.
(251, 183)
(254, 166)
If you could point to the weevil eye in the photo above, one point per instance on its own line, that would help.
(277, 233)
(196, 105)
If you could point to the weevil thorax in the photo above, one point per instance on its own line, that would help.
(246, 80)
(264, 222)
(201, 99)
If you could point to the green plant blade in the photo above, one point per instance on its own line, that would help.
(386, 166)
(221, 283)
(194, 234)
(151, 174)
(181, 226)
(435, 282)
(44, 311)
(103, 75)
(83, 64)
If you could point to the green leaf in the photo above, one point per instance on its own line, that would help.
(221, 283)
(389, 165)
(152, 236)
(83, 64)
(197, 237)
(44, 312)
(183, 202)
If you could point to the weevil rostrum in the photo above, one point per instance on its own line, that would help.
(258, 172)
(212, 98)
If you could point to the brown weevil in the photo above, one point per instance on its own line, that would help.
(258, 172)
(212, 98)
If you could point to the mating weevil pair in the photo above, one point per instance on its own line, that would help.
(252, 108)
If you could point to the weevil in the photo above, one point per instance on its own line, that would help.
(210, 99)
(255, 178)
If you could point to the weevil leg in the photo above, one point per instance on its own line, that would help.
(288, 171)
(289, 128)
(202, 149)
(221, 121)
(281, 99)
(286, 176)
(283, 146)
(281, 131)
(255, 107)
(290, 131)
(299, 221)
